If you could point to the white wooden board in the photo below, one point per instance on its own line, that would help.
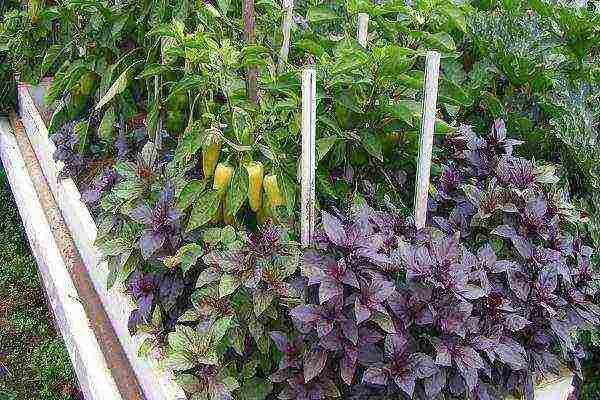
(157, 384)
(94, 377)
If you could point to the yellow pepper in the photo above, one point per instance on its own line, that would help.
(272, 190)
(223, 174)
(255, 184)
(210, 156)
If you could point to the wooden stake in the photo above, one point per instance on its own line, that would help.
(308, 162)
(252, 76)
(430, 89)
(286, 27)
(363, 29)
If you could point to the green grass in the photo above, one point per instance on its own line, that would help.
(30, 348)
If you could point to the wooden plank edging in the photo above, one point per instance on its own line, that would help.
(156, 383)
(95, 379)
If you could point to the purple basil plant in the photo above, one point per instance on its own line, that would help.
(481, 303)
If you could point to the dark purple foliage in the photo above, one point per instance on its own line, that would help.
(107, 180)
(161, 222)
(475, 304)
(66, 141)
(143, 288)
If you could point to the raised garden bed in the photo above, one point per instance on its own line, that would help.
(155, 382)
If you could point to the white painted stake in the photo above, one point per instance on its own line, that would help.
(430, 89)
(363, 29)
(286, 27)
(308, 161)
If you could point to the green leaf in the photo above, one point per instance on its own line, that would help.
(237, 336)
(228, 235)
(289, 192)
(188, 382)
(117, 87)
(220, 327)
(407, 111)
(182, 339)
(321, 13)
(412, 79)
(205, 208)
(228, 285)
(114, 247)
(212, 236)
(50, 58)
(129, 189)
(190, 193)
(371, 143)
(209, 275)
(455, 15)
(439, 41)
(452, 93)
(238, 190)
(178, 362)
(384, 321)
(255, 389)
(324, 145)
(262, 300)
(189, 255)
(81, 130)
(152, 70)
(152, 119)
(396, 60)
(187, 83)
(145, 348)
(348, 100)
(105, 129)
(493, 104)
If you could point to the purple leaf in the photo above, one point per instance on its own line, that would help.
(515, 322)
(380, 290)
(523, 246)
(375, 375)
(519, 284)
(334, 229)
(472, 292)
(348, 364)
(314, 362)
(350, 331)
(422, 365)
(150, 241)
(506, 231)
(469, 356)
(307, 313)
(469, 374)
(505, 266)
(406, 382)
(361, 311)
(91, 196)
(511, 353)
(443, 356)
(329, 289)
(280, 340)
(142, 214)
(435, 383)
